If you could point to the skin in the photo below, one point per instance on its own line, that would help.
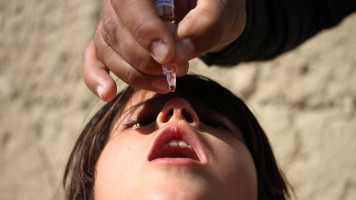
(128, 44)
(124, 172)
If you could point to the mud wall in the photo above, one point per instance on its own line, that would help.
(304, 99)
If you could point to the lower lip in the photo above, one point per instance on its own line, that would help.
(184, 162)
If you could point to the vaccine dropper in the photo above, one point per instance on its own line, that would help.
(165, 10)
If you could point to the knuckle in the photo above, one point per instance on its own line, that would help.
(142, 32)
(109, 30)
(135, 79)
(139, 30)
(130, 77)
(143, 65)
(148, 66)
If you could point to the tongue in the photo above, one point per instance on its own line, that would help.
(178, 153)
(175, 155)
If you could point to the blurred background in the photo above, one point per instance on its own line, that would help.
(304, 99)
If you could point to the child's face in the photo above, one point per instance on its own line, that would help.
(142, 161)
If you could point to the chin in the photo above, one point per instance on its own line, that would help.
(177, 192)
(180, 189)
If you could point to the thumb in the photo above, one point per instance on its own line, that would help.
(210, 26)
(199, 30)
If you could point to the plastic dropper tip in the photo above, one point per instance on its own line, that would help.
(171, 79)
(172, 88)
(170, 71)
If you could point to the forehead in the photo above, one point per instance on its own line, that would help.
(140, 97)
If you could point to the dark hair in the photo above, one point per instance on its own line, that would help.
(78, 178)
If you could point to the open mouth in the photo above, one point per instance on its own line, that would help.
(177, 143)
(176, 148)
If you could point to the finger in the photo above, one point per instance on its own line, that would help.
(121, 41)
(196, 36)
(144, 24)
(182, 69)
(126, 72)
(96, 75)
(135, 55)
(117, 36)
(209, 26)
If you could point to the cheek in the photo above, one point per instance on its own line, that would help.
(115, 170)
(236, 169)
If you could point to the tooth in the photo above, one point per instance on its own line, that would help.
(182, 144)
(173, 143)
(189, 146)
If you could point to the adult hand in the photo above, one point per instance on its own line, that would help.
(133, 42)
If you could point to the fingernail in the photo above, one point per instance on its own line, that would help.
(184, 49)
(159, 51)
(99, 91)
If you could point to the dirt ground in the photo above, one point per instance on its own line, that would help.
(304, 99)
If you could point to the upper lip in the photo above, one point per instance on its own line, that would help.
(178, 132)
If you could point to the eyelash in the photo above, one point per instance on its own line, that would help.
(137, 123)
(216, 124)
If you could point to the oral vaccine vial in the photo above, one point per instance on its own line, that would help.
(165, 10)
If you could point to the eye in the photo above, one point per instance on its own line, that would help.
(138, 123)
(214, 123)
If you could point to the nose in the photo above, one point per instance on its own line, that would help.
(178, 110)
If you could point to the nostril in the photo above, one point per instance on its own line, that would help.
(183, 113)
(168, 116)
(187, 116)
